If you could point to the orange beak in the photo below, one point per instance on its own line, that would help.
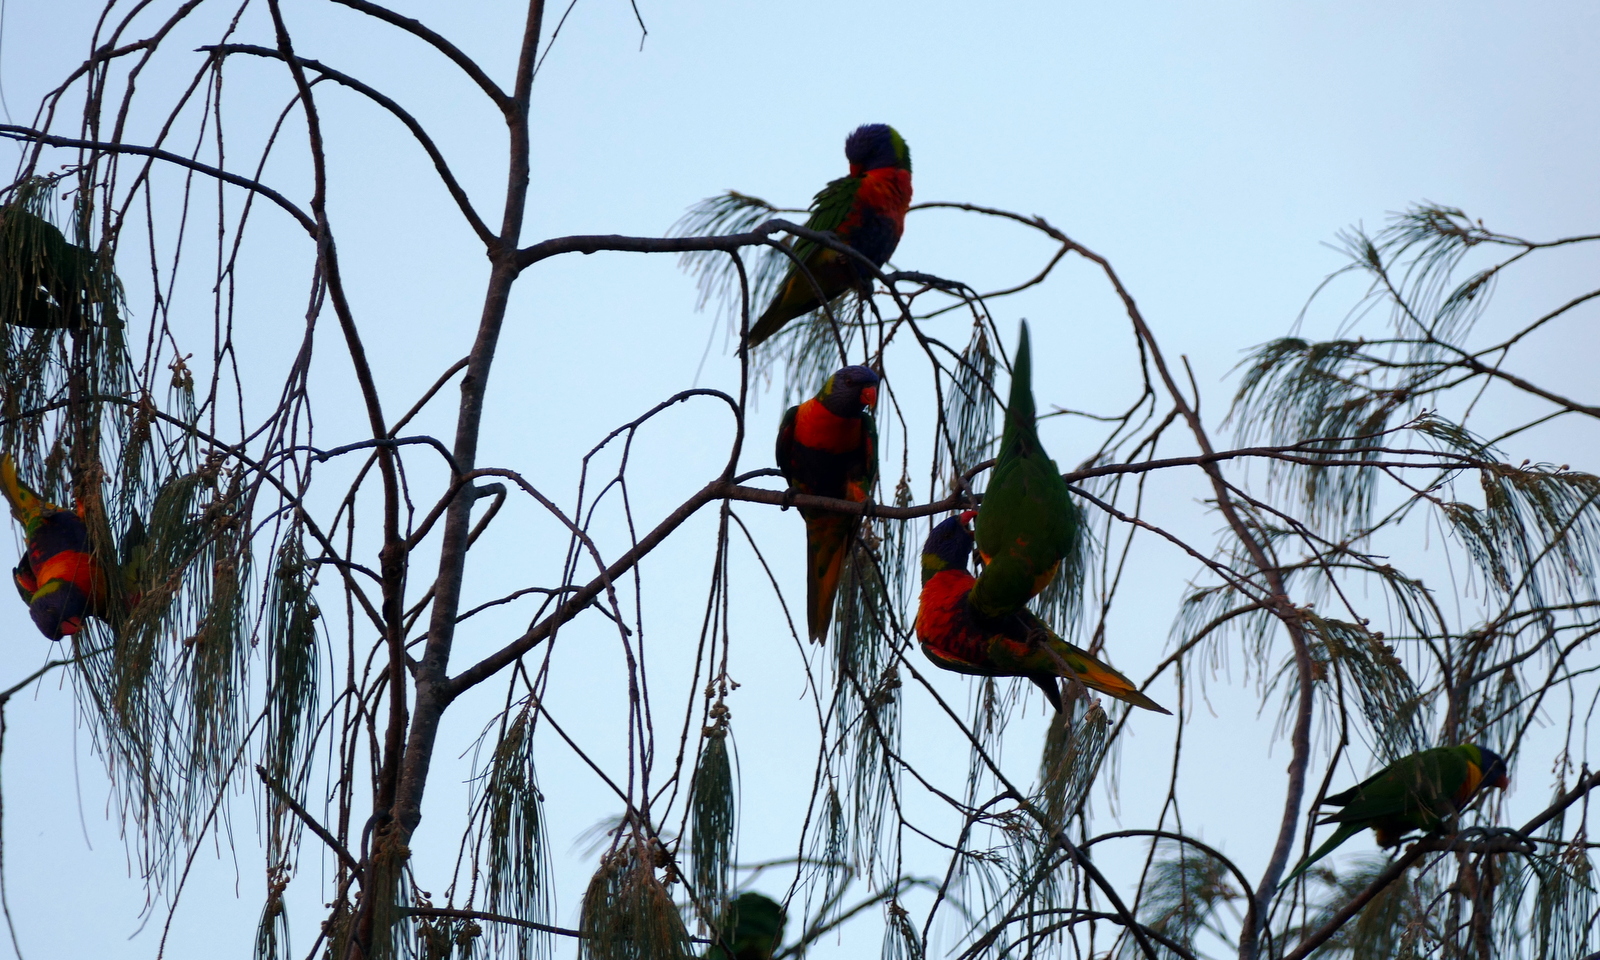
(966, 518)
(869, 396)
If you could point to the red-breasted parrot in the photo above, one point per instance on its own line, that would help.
(1027, 523)
(757, 923)
(1419, 792)
(957, 636)
(828, 447)
(866, 210)
(57, 578)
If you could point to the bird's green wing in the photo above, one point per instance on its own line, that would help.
(758, 923)
(868, 466)
(1416, 788)
(785, 447)
(829, 272)
(134, 549)
(829, 208)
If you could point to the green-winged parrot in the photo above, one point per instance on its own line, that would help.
(866, 210)
(1027, 524)
(45, 281)
(1418, 792)
(757, 923)
(828, 447)
(957, 636)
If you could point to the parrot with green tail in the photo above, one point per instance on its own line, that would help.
(57, 577)
(828, 447)
(757, 923)
(1027, 524)
(957, 636)
(1418, 792)
(866, 210)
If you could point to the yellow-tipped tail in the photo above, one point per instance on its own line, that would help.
(1098, 676)
(828, 539)
(25, 504)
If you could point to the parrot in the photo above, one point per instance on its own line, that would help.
(45, 281)
(757, 923)
(956, 636)
(1027, 523)
(1419, 792)
(57, 578)
(828, 447)
(866, 210)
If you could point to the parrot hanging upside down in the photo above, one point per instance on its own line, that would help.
(828, 447)
(1419, 792)
(57, 578)
(866, 210)
(956, 636)
(1027, 524)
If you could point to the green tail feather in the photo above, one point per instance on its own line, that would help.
(828, 538)
(1345, 832)
(1021, 434)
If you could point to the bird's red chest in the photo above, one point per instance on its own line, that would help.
(73, 566)
(887, 191)
(818, 428)
(942, 618)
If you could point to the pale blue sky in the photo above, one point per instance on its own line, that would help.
(1210, 150)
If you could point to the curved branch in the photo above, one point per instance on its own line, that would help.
(30, 135)
(451, 51)
(400, 113)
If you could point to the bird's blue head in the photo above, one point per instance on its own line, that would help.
(1493, 766)
(58, 608)
(876, 145)
(949, 545)
(851, 389)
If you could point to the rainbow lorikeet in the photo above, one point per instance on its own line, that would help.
(45, 281)
(57, 577)
(828, 447)
(1027, 523)
(757, 923)
(866, 210)
(957, 636)
(1419, 792)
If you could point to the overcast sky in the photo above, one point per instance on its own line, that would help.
(1211, 151)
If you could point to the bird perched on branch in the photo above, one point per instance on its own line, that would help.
(828, 447)
(957, 636)
(866, 210)
(46, 282)
(1419, 792)
(57, 577)
(1027, 524)
(757, 923)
